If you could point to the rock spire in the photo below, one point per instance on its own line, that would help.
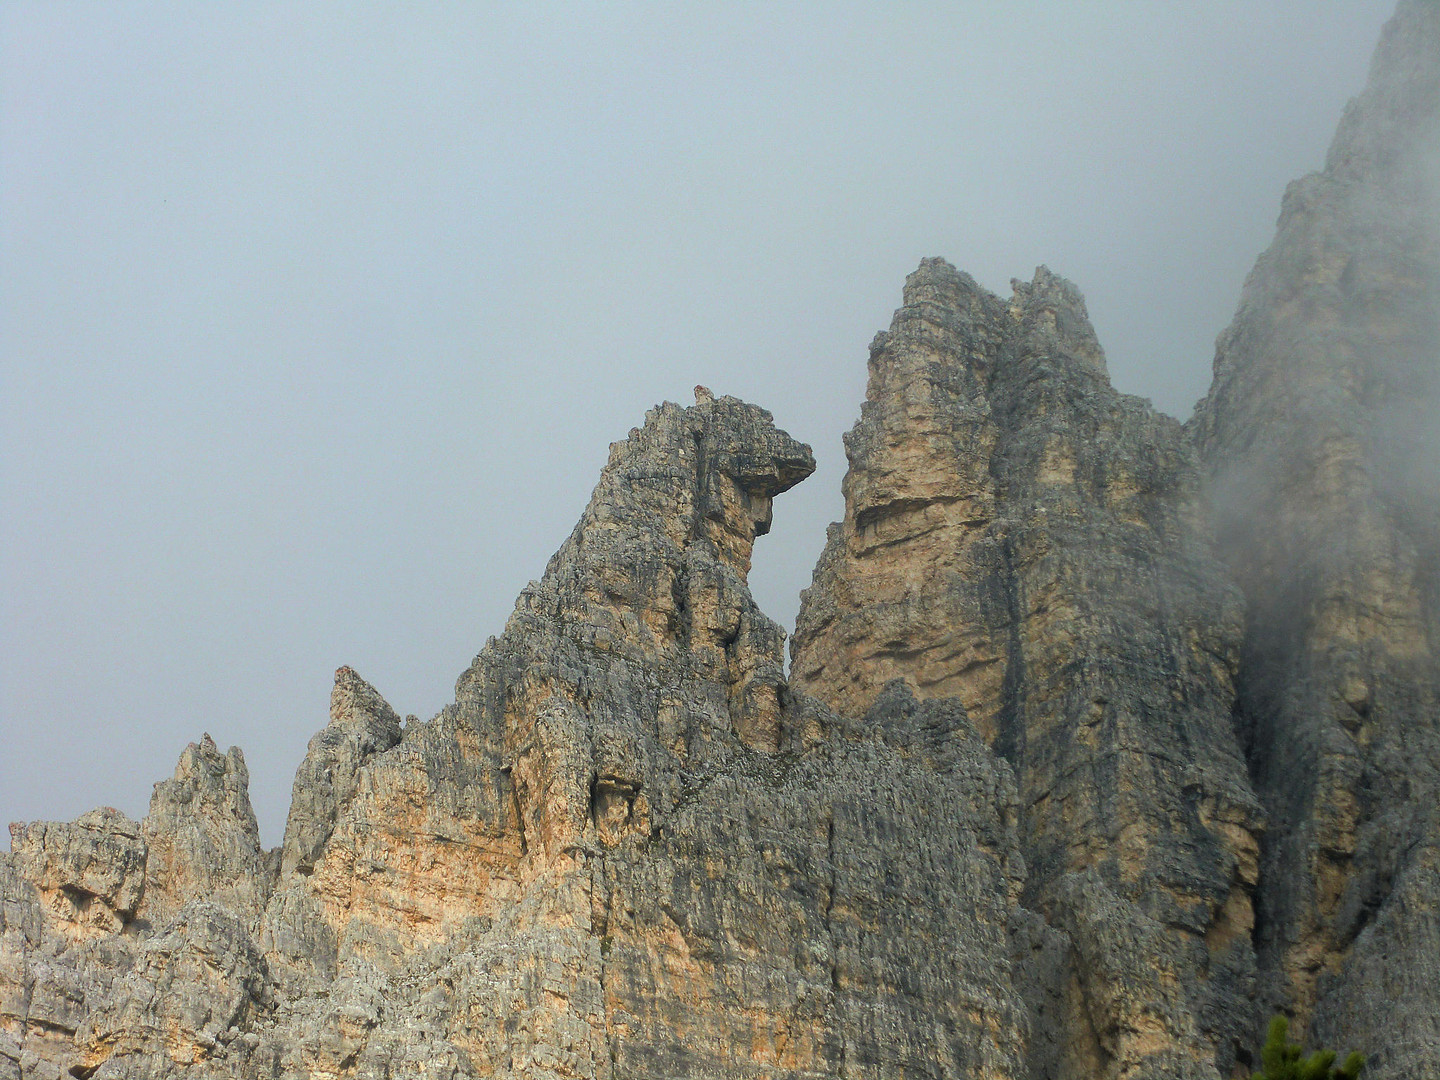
(1103, 738)
(1020, 537)
(1321, 435)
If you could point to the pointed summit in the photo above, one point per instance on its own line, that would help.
(1397, 112)
(1018, 540)
(1321, 435)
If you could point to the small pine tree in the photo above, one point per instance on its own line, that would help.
(1282, 1059)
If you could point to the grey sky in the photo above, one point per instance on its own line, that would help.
(316, 320)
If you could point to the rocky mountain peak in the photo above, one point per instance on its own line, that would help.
(1319, 439)
(354, 700)
(709, 472)
(362, 724)
(202, 838)
(654, 574)
(935, 280)
(1395, 115)
(1103, 739)
(1052, 311)
(1020, 537)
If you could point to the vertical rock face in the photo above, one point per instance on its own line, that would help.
(1322, 433)
(125, 949)
(202, 839)
(627, 850)
(361, 725)
(90, 873)
(1019, 536)
(837, 914)
(1000, 823)
(721, 909)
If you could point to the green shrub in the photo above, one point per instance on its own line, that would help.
(1282, 1059)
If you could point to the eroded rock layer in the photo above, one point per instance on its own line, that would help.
(1046, 796)
(1021, 537)
(1322, 433)
(625, 851)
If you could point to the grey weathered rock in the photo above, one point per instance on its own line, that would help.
(607, 788)
(90, 873)
(1020, 536)
(192, 989)
(1322, 433)
(840, 914)
(53, 969)
(627, 849)
(999, 824)
(9, 1058)
(91, 910)
(21, 929)
(201, 838)
(541, 880)
(361, 725)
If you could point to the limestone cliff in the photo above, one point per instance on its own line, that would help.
(1022, 538)
(1104, 737)
(625, 851)
(1322, 434)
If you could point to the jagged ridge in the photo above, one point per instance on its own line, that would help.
(1047, 796)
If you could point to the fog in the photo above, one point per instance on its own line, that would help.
(316, 320)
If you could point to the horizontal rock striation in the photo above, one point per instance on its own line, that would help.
(1022, 538)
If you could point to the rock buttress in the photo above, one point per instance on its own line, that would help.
(127, 950)
(627, 850)
(1322, 435)
(1019, 536)
(685, 872)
